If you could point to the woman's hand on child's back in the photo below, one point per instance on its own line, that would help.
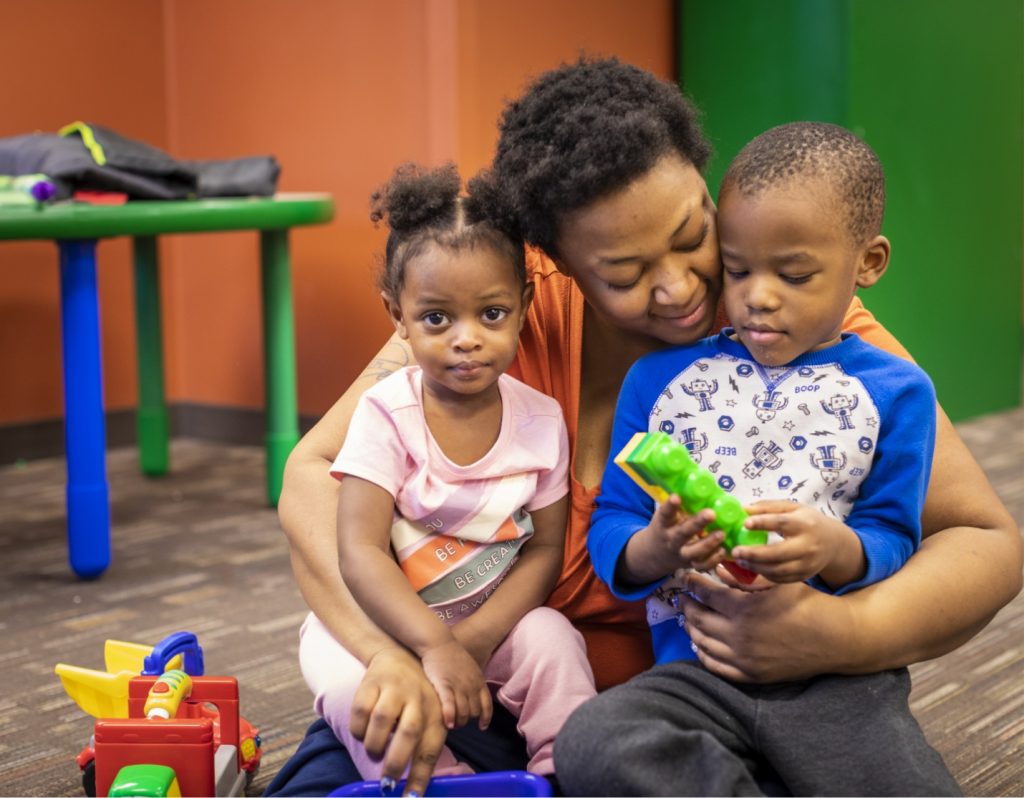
(459, 683)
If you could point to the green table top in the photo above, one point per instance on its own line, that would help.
(72, 220)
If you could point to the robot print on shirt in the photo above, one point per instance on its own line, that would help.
(842, 407)
(701, 390)
(768, 404)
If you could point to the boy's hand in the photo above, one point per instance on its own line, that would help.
(679, 536)
(459, 683)
(811, 541)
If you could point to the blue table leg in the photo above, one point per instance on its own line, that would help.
(88, 503)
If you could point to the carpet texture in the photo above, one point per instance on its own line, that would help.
(199, 550)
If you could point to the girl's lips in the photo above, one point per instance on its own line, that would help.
(468, 369)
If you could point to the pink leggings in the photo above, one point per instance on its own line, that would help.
(540, 670)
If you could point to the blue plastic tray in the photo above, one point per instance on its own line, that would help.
(501, 783)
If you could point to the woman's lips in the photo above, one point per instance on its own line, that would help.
(687, 320)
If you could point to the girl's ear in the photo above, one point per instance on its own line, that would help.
(394, 313)
(874, 260)
(527, 299)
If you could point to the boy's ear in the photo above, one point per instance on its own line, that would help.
(874, 260)
(394, 313)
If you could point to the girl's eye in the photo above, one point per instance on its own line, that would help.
(623, 287)
(495, 314)
(434, 319)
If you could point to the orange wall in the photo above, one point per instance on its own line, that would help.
(63, 60)
(340, 92)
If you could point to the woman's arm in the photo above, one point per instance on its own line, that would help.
(395, 697)
(527, 585)
(967, 569)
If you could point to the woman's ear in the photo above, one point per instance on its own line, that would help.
(874, 260)
(394, 310)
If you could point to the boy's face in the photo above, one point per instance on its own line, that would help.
(461, 312)
(791, 268)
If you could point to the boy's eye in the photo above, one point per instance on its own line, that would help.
(434, 319)
(495, 314)
(796, 279)
(735, 274)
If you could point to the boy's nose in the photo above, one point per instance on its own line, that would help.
(760, 295)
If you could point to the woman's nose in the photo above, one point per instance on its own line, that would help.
(675, 282)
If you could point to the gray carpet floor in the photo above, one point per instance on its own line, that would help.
(199, 550)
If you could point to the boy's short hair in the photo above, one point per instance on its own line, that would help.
(815, 150)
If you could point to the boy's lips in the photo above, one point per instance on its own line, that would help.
(763, 335)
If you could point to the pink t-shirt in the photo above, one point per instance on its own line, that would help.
(457, 529)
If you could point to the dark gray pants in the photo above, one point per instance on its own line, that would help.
(679, 730)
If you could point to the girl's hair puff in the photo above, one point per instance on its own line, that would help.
(423, 207)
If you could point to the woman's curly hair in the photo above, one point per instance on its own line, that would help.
(584, 130)
(424, 206)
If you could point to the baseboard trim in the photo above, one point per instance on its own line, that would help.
(233, 425)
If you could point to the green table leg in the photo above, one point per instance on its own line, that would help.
(151, 419)
(278, 357)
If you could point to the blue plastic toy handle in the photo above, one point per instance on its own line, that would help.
(178, 643)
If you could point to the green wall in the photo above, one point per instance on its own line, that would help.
(937, 88)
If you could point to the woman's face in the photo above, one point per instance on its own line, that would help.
(646, 257)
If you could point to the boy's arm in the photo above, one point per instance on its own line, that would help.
(527, 586)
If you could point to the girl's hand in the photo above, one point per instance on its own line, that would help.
(679, 537)
(811, 541)
(459, 683)
(396, 714)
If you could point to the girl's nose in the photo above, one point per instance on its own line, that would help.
(466, 337)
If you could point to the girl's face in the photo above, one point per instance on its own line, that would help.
(461, 312)
(646, 257)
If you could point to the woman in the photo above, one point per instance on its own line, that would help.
(603, 163)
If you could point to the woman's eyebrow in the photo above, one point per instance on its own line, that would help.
(623, 260)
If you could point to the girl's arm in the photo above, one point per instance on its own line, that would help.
(396, 705)
(527, 585)
(967, 569)
(365, 513)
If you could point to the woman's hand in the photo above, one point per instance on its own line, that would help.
(459, 683)
(791, 631)
(396, 700)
